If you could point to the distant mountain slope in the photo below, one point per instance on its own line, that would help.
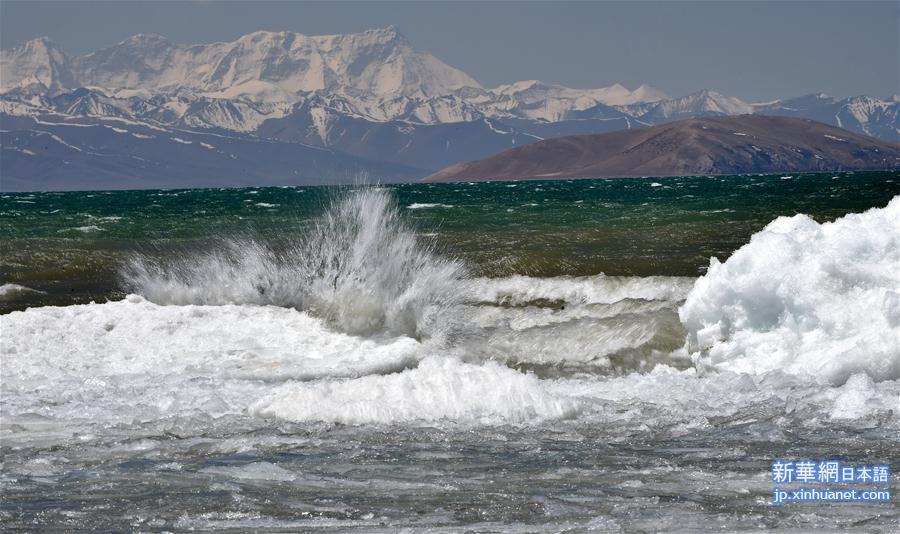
(426, 146)
(42, 151)
(871, 116)
(713, 145)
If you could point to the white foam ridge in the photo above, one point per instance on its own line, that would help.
(136, 359)
(806, 298)
(585, 339)
(598, 289)
(680, 402)
(361, 268)
(9, 291)
(422, 206)
(86, 368)
(440, 388)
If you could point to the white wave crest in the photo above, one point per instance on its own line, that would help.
(86, 368)
(599, 289)
(439, 389)
(130, 359)
(806, 298)
(360, 267)
(422, 206)
(9, 291)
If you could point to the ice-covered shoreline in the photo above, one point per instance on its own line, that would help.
(803, 307)
(132, 362)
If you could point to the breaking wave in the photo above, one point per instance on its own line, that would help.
(360, 267)
(599, 289)
(10, 291)
(438, 389)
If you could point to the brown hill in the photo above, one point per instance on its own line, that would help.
(712, 145)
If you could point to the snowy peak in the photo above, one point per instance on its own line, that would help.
(381, 62)
(389, 34)
(647, 93)
(699, 104)
(871, 115)
(613, 95)
(263, 66)
(141, 61)
(36, 62)
(713, 102)
(537, 100)
(146, 39)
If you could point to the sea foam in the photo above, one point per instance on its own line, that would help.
(360, 267)
(129, 359)
(440, 388)
(806, 298)
(83, 368)
(599, 289)
(9, 291)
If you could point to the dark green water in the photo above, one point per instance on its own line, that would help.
(70, 246)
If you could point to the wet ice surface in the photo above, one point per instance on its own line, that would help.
(117, 416)
(630, 472)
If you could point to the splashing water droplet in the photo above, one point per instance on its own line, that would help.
(360, 267)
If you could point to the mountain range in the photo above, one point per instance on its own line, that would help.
(370, 101)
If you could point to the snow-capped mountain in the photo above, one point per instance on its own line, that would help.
(262, 66)
(870, 115)
(533, 99)
(864, 114)
(701, 104)
(39, 62)
(377, 73)
(368, 95)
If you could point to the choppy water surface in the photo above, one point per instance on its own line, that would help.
(505, 356)
(70, 245)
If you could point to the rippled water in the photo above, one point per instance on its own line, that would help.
(71, 245)
(445, 356)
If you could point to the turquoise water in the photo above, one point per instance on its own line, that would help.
(70, 246)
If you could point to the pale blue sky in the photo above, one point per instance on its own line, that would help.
(754, 50)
